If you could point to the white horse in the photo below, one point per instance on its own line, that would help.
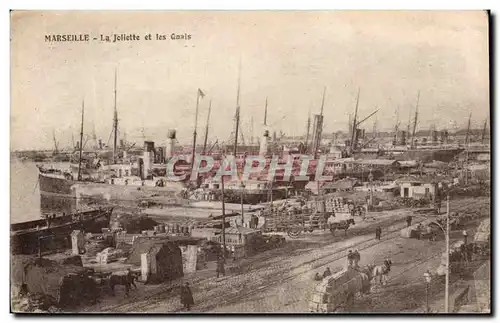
(380, 272)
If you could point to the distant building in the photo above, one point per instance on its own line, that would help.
(417, 189)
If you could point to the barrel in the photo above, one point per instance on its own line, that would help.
(175, 228)
(161, 228)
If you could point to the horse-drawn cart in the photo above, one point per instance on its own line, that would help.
(295, 224)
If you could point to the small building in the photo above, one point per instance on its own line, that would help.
(346, 184)
(417, 189)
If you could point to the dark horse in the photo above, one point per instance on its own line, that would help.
(344, 225)
(126, 280)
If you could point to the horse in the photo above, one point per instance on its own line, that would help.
(381, 272)
(341, 225)
(126, 280)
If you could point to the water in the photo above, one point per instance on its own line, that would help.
(26, 204)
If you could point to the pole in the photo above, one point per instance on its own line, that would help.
(447, 283)
(241, 196)
(39, 247)
(195, 125)
(223, 220)
(81, 144)
(206, 127)
(427, 297)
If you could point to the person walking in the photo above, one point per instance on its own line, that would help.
(186, 297)
(378, 233)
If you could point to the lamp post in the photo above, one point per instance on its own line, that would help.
(447, 282)
(428, 279)
(370, 179)
(242, 188)
(447, 236)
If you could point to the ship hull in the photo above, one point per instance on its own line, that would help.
(55, 185)
(429, 155)
(29, 237)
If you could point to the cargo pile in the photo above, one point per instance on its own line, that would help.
(338, 291)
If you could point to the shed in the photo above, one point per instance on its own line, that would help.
(164, 259)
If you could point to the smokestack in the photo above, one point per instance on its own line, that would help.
(122, 144)
(148, 159)
(77, 145)
(100, 143)
(264, 143)
(402, 138)
(169, 151)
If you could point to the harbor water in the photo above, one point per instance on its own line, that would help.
(26, 204)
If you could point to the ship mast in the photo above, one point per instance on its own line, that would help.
(468, 131)
(206, 127)
(55, 141)
(251, 131)
(353, 135)
(115, 127)
(198, 94)
(237, 116)
(319, 126)
(415, 122)
(396, 128)
(484, 131)
(467, 150)
(81, 145)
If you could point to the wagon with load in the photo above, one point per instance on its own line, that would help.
(337, 292)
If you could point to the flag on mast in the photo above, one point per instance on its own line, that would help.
(200, 93)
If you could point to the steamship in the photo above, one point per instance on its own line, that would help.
(435, 150)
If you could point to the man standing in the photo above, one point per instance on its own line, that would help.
(356, 258)
(349, 259)
(378, 233)
(464, 234)
(408, 221)
(220, 266)
(186, 297)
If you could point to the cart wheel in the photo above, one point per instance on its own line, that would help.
(294, 232)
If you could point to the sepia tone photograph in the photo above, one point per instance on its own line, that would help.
(247, 162)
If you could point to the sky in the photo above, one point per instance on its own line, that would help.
(290, 57)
